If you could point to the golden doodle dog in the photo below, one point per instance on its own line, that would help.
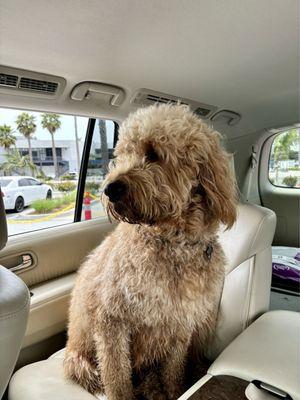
(153, 286)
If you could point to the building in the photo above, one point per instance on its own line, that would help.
(42, 156)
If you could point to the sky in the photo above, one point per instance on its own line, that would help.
(66, 132)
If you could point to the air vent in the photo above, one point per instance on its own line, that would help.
(145, 97)
(165, 100)
(37, 85)
(202, 112)
(20, 82)
(8, 80)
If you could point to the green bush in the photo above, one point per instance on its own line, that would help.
(294, 169)
(92, 187)
(67, 177)
(290, 180)
(48, 205)
(65, 186)
(42, 177)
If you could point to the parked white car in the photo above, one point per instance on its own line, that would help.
(21, 191)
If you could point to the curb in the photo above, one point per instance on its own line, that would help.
(48, 217)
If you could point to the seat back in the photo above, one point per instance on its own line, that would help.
(246, 291)
(14, 309)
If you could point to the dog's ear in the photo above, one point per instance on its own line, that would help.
(217, 183)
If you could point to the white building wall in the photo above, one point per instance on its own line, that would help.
(68, 147)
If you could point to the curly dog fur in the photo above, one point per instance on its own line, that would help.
(152, 288)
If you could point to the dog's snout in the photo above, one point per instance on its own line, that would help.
(115, 190)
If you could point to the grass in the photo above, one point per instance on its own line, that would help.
(49, 205)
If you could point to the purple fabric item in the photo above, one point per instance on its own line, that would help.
(286, 272)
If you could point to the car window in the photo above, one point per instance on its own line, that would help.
(284, 162)
(28, 152)
(23, 182)
(33, 182)
(5, 182)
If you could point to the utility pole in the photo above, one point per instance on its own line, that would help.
(77, 144)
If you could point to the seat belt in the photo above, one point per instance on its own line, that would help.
(252, 166)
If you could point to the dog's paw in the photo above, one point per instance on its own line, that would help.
(81, 371)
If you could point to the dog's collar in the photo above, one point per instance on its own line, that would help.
(209, 250)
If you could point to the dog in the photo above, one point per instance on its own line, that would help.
(153, 286)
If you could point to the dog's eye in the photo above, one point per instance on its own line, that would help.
(151, 155)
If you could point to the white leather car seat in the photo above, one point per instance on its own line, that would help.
(14, 308)
(245, 296)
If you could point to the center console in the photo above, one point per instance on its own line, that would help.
(262, 363)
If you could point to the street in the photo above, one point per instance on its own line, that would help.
(26, 222)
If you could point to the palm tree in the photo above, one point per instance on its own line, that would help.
(7, 137)
(15, 162)
(26, 125)
(103, 145)
(52, 123)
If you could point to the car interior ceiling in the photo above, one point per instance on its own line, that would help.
(236, 64)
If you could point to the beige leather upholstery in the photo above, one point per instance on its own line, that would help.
(246, 295)
(246, 292)
(44, 380)
(51, 278)
(14, 308)
(267, 351)
(48, 309)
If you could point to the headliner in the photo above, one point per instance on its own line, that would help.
(239, 55)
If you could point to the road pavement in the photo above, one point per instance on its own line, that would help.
(25, 221)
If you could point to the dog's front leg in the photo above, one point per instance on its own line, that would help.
(173, 370)
(113, 354)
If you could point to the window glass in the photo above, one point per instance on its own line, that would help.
(26, 150)
(284, 163)
(5, 182)
(101, 153)
(32, 182)
(23, 182)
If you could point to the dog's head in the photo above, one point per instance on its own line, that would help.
(168, 162)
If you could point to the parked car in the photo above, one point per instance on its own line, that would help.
(21, 191)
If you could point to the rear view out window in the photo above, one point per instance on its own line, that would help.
(284, 163)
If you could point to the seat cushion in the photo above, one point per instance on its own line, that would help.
(45, 380)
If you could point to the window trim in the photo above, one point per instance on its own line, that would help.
(84, 164)
(83, 169)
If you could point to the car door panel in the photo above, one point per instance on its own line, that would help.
(57, 254)
(49, 309)
(59, 250)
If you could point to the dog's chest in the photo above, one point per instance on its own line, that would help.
(165, 282)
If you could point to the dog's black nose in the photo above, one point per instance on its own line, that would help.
(115, 191)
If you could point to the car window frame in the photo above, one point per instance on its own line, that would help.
(272, 139)
(84, 164)
(82, 175)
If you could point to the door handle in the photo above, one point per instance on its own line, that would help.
(27, 261)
